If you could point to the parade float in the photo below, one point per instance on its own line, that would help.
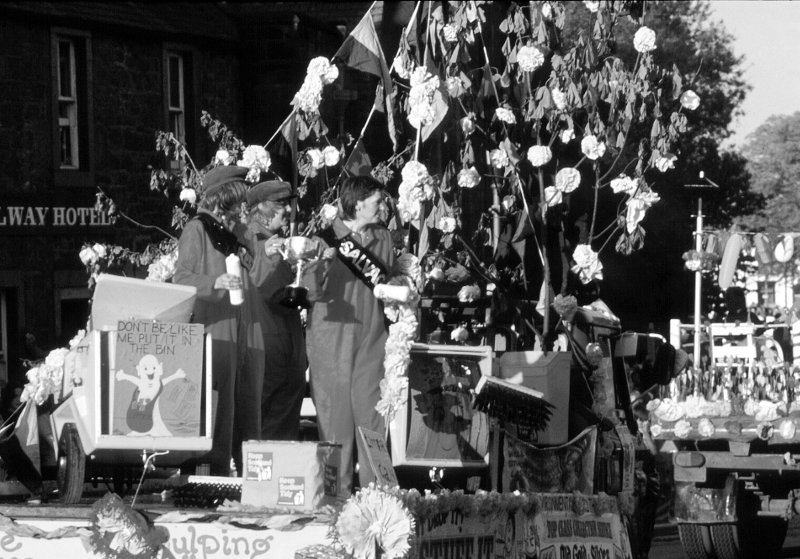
(491, 156)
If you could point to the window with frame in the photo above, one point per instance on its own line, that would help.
(766, 291)
(72, 107)
(176, 95)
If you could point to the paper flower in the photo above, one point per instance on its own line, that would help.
(508, 202)
(189, 195)
(469, 293)
(644, 40)
(637, 207)
(682, 429)
(529, 58)
(505, 115)
(665, 162)
(568, 179)
(499, 158)
(539, 155)
(787, 429)
(447, 224)
(566, 306)
(414, 173)
(408, 265)
(467, 125)
(764, 430)
(552, 196)
(751, 407)
(88, 256)
(587, 264)
(455, 87)
(310, 95)
(668, 410)
(592, 148)
(328, 212)
(372, 517)
(459, 334)
(163, 268)
(321, 67)
(255, 157)
(624, 184)
(591, 5)
(331, 156)
(73, 343)
(223, 157)
(450, 32)
(559, 98)
(706, 428)
(547, 10)
(316, 158)
(420, 97)
(567, 135)
(690, 100)
(468, 178)
(594, 354)
(655, 430)
(436, 274)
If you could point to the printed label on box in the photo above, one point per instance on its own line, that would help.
(331, 482)
(291, 490)
(259, 466)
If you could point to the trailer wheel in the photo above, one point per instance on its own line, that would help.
(750, 537)
(696, 541)
(71, 466)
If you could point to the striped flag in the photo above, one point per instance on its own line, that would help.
(362, 51)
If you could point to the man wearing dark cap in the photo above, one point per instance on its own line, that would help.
(236, 331)
(269, 208)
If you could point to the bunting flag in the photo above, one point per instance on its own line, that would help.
(358, 163)
(362, 51)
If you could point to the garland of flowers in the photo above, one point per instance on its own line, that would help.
(402, 334)
(45, 377)
(119, 532)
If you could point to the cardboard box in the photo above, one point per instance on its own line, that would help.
(289, 474)
(549, 373)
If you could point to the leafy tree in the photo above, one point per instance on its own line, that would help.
(773, 155)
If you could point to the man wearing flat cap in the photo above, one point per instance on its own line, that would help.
(268, 204)
(236, 330)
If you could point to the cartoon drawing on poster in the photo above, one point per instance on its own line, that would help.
(157, 379)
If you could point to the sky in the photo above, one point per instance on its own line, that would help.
(766, 34)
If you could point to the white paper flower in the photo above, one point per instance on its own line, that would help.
(509, 201)
(656, 430)
(529, 58)
(372, 517)
(331, 156)
(414, 173)
(163, 268)
(189, 195)
(592, 148)
(587, 264)
(638, 206)
(408, 265)
(690, 100)
(653, 404)
(591, 5)
(436, 274)
(469, 293)
(73, 343)
(552, 196)
(323, 69)
(310, 95)
(467, 125)
(499, 158)
(255, 156)
(669, 410)
(459, 334)
(568, 179)
(399, 66)
(706, 428)
(329, 212)
(420, 97)
(644, 40)
(317, 159)
(539, 155)
(224, 157)
(624, 184)
(682, 429)
(455, 86)
(559, 98)
(547, 10)
(447, 224)
(567, 135)
(450, 32)
(666, 162)
(505, 115)
(88, 256)
(751, 407)
(100, 250)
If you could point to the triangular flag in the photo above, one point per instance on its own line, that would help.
(27, 432)
(358, 163)
(362, 51)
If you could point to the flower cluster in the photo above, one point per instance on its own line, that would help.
(567, 180)
(320, 72)
(529, 58)
(420, 98)
(45, 379)
(505, 115)
(644, 40)
(118, 531)
(312, 160)
(163, 268)
(638, 205)
(592, 147)
(257, 159)
(91, 254)
(587, 263)
(417, 185)
(469, 293)
(469, 178)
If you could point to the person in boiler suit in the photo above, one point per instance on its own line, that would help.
(346, 333)
(236, 330)
(286, 362)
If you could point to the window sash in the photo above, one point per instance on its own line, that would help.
(68, 105)
(176, 100)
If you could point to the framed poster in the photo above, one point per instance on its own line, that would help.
(439, 426)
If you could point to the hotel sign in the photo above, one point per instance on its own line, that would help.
(38, 218)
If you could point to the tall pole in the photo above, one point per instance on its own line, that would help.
(698, 280)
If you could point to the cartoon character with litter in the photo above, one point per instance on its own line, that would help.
(144, 416)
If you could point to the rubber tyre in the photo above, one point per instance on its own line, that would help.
(696, 541)
(71, 466)
(726, 541)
